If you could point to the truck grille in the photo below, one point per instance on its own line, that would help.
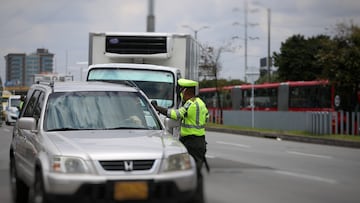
(127, 165)
(136, 44)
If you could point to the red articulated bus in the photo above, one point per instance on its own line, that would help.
(284, 96)
(296, 96)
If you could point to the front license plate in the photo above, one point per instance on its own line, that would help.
(131, 191)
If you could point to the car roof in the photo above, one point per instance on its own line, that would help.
(75, 86)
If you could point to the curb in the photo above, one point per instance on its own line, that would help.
(296, 138)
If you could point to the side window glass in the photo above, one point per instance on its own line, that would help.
(29, 111)
(38, 106)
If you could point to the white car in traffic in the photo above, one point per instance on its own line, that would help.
(12, 109)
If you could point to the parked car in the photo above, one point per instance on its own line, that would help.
(96, 142)
(12, 109)
(4, 99)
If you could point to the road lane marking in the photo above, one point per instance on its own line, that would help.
(308, 177)
(309, 155)
(233, 144)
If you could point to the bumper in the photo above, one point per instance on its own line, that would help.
(165, 187)
(11, 118)
(159, 192)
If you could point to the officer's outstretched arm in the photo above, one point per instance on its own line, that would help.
(160, 109)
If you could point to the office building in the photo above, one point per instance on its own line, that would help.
(21, 68)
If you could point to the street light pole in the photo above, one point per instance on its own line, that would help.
(195, 30)
(252, 99)
(150, 21)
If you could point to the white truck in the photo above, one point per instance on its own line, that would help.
(153, 61)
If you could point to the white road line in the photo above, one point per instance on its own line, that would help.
(233, 144)
(210, 156)
(308, 177)
(310, 155)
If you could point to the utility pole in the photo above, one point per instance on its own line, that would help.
(245, 37)
(269, 60)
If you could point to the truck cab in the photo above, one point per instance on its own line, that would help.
(152, 61)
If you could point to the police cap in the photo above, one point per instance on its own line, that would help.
(187, 83)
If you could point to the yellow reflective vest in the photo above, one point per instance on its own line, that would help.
(193, 115)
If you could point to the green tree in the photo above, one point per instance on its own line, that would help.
(297, 58)
(341, 62)
(336, 59)
(265, 78)
(220, 82)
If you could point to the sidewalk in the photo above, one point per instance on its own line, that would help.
(297, 138)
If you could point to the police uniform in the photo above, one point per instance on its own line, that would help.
(193, 115)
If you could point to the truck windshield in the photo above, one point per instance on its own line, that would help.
(157, 85)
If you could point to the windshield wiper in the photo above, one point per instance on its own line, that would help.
(67, 129)
(118, 128)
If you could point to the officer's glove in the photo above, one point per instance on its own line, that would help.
(154, 103)
(160, 109)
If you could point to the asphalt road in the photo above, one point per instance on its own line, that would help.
(5, 138)
(255, 170)
(252, 169)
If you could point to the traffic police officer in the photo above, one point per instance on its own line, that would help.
(193, 115)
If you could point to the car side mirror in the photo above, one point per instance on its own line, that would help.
(170, 123)
(27, 123)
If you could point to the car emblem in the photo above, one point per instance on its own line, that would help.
(128, 165)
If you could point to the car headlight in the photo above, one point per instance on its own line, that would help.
(177, 162)
(72, 165)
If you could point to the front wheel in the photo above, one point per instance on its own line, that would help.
(37, 193)
(19, 191)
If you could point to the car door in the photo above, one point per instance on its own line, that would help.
(25, 146)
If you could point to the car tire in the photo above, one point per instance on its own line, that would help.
(37, 192)
(19, 190)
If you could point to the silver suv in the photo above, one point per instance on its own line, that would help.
(96, 142)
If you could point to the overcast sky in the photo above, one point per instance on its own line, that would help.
(63, 26)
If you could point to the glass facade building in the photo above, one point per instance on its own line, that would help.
(21, 68)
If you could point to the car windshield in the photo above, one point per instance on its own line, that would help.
(157, 85)
(98, 111)
(15, 102)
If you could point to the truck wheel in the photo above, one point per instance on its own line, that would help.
(19, 191)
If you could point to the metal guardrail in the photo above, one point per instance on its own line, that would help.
(321, 123)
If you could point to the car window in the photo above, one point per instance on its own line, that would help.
(29, 110)
(15, 102)
(38, 106)
(98, 110)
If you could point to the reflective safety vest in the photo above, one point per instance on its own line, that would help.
(193, 115)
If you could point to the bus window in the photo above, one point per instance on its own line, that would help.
(264, 98)
(310, 97)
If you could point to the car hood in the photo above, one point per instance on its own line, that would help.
(115, 144)
(12, 109)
